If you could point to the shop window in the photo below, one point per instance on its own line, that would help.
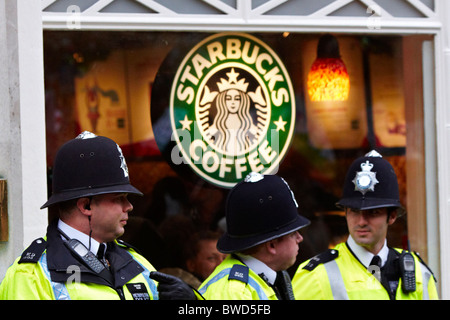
(104, 82)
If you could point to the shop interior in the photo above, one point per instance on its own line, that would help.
(104, 82)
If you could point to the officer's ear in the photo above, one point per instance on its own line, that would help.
(271, 246)
(392, 215)
(84, 206)
(190, 265)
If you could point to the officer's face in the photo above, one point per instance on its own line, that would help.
(287, 250)
(109, 216)
(206, 260)
(369, 227)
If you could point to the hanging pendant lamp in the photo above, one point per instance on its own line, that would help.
(328, 78)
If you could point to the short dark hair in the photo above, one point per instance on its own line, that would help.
(66, 206)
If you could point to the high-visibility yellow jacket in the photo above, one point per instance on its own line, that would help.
(48, 271)
(233, 280)
(338, 275)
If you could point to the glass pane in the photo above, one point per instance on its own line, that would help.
(116, 84)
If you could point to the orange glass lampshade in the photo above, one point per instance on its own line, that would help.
(328, 79)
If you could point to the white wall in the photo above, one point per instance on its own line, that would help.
(22, 120)
(22, 125)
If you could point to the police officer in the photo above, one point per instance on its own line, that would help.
(80, 257)
(261, 239)
(364, 267)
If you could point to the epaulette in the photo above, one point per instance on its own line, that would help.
(323, 257)
(34, 251)
(239, 272)
(425, 265)
(127, 245)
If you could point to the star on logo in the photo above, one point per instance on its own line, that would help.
(280, 124)
(186, 123)
(232, 76)
(365, 180)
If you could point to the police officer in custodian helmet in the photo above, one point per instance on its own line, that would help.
(80, 257)
(364, 267)
(261, 239)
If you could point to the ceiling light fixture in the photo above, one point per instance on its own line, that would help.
(328, 79)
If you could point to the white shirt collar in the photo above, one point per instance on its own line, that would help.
(365, 256)
(73, 233)
(258, 267)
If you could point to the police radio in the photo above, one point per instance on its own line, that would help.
(87, 256)
(407, 271)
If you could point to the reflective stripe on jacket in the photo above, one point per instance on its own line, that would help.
(223, 284)
(47, 270)
(32, 281)
(345, 278)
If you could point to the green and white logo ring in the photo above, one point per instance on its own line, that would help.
(232, 108)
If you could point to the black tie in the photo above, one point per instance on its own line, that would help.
(376, 261)
(284, 285)
(101, 255)
(375, 268)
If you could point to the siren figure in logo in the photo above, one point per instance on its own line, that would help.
(233, 122)
(233, 129)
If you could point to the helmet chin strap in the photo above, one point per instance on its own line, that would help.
(90, 232)
(88, 207)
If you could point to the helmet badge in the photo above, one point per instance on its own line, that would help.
(365, 180)
(253, 177)
(292, 194)
(123, 164)
(86, 135)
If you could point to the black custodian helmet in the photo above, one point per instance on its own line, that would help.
(258, 209)
(87, 166)
(370, 183)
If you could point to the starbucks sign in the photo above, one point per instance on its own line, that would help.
(232, 108)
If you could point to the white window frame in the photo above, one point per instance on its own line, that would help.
(243, 17)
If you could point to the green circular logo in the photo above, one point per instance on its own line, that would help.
(232, 108)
